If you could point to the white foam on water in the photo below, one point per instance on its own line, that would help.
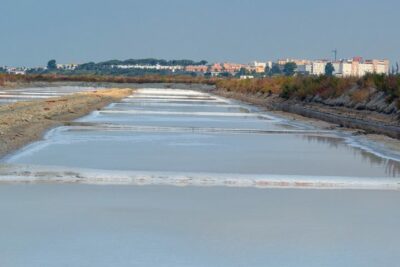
(166, 104)
(168, 113)
(144, 128)
(44, 93)
(171, 96)
(156, 91)
(134, 100)
(23, 96)
(39, 174)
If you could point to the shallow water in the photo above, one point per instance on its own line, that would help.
(38, 93)
(217, 150)
(78, 225)
(220, 137)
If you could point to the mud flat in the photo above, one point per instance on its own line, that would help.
(24, 122)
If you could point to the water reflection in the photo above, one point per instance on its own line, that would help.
(392, 167)
(29, 94)
(192, 137)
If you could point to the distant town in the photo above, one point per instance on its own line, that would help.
(354, 67)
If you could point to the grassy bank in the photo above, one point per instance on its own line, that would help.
(299, 87)
(24, 122)
(370, 103)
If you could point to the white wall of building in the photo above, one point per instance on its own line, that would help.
(318, 67)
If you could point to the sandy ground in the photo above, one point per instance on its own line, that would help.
(24, 122)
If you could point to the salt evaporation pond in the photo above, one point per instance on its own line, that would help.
(8, 96)
(232, 156)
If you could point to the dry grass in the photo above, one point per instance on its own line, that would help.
(361, 95)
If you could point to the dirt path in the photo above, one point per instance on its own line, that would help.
(24, 122)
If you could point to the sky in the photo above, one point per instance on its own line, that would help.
(78, 31)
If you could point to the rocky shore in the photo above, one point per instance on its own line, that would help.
(24, 122)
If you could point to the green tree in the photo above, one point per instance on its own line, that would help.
(52, 64)
(290, 68)
(267, 70)
(275, 70)
(242, 71)
(329, 69)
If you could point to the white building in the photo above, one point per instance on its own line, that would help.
(67, 66)
(245, 77)
(318, 67)
(149, 67)
(364, 69)
(346, 69)
(258, 67)
(14, 70)
(349, 68)
(304, 69)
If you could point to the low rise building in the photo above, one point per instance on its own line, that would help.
(172, 68)
(70, 66)
(216, 67)
(16, 70)
(197, 68)
(232, 68)
(246, 77)
(258, 67)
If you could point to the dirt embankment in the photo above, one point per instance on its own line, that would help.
(370, 118)
(24, 122)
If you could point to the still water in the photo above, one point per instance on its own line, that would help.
(8, 96)
(185, 131)
(229, 157)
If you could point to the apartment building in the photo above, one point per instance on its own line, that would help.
(299, 62)
(355, 67)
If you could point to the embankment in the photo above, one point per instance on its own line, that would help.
(24, 122)
(370, 103)
(368, 120)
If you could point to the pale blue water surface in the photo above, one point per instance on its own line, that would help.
(166, 136)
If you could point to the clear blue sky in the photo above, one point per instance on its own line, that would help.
(34, 31)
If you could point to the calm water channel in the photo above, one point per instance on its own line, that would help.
(172, 177)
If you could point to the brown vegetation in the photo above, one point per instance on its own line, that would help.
(8, 78)
(325, 87)
(299, 87)
(361, 95)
